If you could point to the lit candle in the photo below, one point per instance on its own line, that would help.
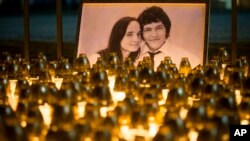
(118, 96)
(46, 111)
(111, 82)
(80, 109)
(34, 138)
(13, 100)
(183, 112)
(125, 133)
(140, 131)
(23, 123)
(153, 129)
(58, 82)
(238, 96)
(31, 79)
(190, 101)
(104, 110)
(193, 135)
(164, 96)
(244, 122)
(12, 86)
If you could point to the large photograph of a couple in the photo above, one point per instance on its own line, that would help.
(136, 30)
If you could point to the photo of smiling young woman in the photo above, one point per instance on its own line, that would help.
(125, 39)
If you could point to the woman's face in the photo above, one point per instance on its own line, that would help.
(132, 37)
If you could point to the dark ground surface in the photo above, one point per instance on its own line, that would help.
(43, 34)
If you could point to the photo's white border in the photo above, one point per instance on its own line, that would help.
(188, 25)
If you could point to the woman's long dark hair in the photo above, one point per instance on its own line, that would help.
(117, 33)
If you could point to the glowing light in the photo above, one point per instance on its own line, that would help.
(118, 96)
(164, 96)
(125, 132)
(46, 112)
(244, 122)
(80, 109)
(238, 96)
(225, 137)
(104, 110)
(224, 66)
(221, 75)
(193, 135)
(88, 139)
(34, 138)
(31, 79)
(140, 131)
(129, 134)
(145, 85)
(111, 82)
(165, 93)
(12, 86)
(12, 98)
(190, 101)
(153, 129)
(58, 82)
(124, 120)
(23, 123)
(183, 112)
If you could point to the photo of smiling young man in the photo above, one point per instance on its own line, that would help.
(155, 25)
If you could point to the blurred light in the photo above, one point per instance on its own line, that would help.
(193, 135)
(183, 113)
(80, 109)
(238, 96)
(164, 96)
(153, 129)
(13, 100)
(118, 96)
(46, 111)
(244, 122)
(58, 82)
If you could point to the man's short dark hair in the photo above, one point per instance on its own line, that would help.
(155, 14)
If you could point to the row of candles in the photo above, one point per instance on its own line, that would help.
(117, 101)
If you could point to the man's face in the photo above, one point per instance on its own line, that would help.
(154, 35)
